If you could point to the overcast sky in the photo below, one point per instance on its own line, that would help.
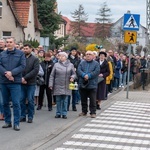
(118, 8)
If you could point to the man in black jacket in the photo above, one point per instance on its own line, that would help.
(28, 83)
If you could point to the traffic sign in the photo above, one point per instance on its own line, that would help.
(130, 37)
(131, 22)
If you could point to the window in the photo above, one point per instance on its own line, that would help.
(29, 37)
(6, 34)
(0, 10)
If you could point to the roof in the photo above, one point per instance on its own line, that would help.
(88, 30)
(37, 24)
(67, 25)
(20, 10)
(12, 7)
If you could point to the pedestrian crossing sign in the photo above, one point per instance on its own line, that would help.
(130, 37)
(131, 22)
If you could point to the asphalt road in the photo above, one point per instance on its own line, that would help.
(45, 129)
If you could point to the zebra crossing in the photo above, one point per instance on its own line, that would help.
(124, 125)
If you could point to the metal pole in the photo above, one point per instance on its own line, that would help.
(129, 49)
(44, 43)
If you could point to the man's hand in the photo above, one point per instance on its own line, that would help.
(51, 87)
(8, 73)
(24, 81)
(86, 77)
(100, 75)
(9, 76)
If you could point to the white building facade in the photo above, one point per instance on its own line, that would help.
(22, 24)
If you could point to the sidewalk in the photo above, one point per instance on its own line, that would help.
(122, 124)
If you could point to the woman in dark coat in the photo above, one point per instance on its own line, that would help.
(47, 66)
(104, 72)
(75, 60)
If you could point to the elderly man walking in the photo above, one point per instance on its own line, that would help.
(88, 72)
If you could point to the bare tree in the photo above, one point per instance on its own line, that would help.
(78, 25)
(103, 20)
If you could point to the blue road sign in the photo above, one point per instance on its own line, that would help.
(131, 22)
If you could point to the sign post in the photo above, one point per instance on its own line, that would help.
(129, 49)
(130, 37)
(131, 24)
(44, 41)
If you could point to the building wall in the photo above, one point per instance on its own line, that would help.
(7, 23)
(37, 35)
(30, 32)
(116, 30)
(142, 35)
(61, 32)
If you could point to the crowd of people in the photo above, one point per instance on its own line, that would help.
(27, 73)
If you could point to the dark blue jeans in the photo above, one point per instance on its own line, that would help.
(13, 91)
(61, 102)
(74, 98)
(78, 97)
(27, 93)
(116, 82)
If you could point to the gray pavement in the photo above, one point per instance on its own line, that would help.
(121, 124)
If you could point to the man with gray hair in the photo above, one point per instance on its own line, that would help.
(88, 71)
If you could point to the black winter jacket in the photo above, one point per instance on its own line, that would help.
(47, 67)
(31, 70)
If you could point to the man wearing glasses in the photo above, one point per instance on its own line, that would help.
(88, 72)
